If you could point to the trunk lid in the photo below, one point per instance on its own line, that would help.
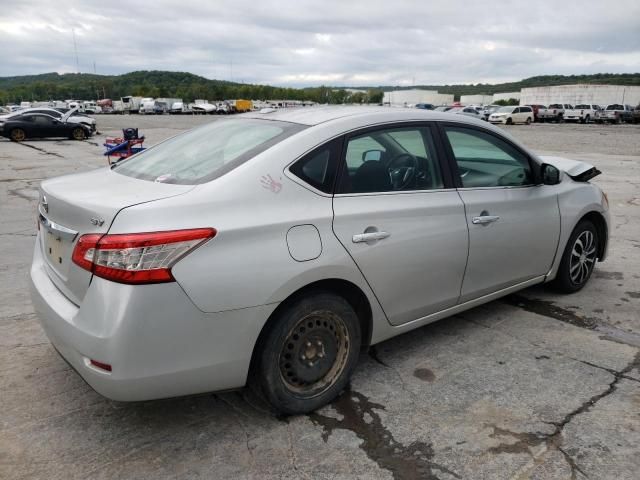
(73, 205)
(576, 169)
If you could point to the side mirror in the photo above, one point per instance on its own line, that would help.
(375, 155)
(550, 174)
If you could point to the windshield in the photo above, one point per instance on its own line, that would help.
(615, 107)
(505, 109)
(582, 107)
(208, 152)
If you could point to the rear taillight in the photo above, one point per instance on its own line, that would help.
(137, 258)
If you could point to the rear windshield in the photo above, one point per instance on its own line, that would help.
(555, 105)
(207, 152)
(615, 107)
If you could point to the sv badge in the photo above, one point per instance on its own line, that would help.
(98, 222)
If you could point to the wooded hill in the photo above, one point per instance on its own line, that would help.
(86, 86)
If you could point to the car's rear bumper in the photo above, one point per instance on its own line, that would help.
(158, 343)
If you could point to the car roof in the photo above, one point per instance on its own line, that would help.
(316, 115)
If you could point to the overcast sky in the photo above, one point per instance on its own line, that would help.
(300, 43)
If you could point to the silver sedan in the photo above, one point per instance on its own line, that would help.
(269, 249)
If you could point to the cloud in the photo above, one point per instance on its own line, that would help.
(299, 43)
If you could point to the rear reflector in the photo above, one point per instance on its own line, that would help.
(102, 366)
(137, 258)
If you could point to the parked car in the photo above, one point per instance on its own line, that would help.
(203, 107)
(258, 250)
(635, 116)
(38, 125)
(468, 111)
(555, 112)
(223, 108)
(583, 113)
(617, 113)
(511, 115)
(58, 113)
(488, 110)
(425, 106)
(536, 108)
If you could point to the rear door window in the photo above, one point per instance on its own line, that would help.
(390, 159)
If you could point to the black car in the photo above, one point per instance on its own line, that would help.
(39, 125)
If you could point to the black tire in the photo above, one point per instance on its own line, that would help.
(78, 133)
(528, 122)
(17, 135)
(308, 354)
(509, 121)
(587, 119)
(578, 259)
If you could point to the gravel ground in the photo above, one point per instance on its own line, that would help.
(536, 385)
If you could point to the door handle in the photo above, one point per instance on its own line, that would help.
(369, 237)
(485, 219)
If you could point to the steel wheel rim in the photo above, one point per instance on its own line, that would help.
(583, 257)
(315, 353)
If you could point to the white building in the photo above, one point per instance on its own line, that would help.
(476, 99)
(506, 96)
(402, 98)
(582, 93)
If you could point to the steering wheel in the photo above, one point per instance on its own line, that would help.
(403, 175)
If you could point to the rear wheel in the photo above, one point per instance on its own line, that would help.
(307, 356)
(78, 134)
(17, 135)
(578, 259)
(528, 121)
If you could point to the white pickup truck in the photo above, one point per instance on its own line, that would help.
(583, 113)
(554, 113)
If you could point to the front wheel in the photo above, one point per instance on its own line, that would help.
(307, 356)
(578, 259)
(509, 121)
(78, 134)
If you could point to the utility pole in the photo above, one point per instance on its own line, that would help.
(75, 47)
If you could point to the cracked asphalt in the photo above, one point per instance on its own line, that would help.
(536, 385)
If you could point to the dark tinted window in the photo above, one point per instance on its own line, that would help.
(485, 160)
(391, 159)
(42, 120)
(318, 168)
